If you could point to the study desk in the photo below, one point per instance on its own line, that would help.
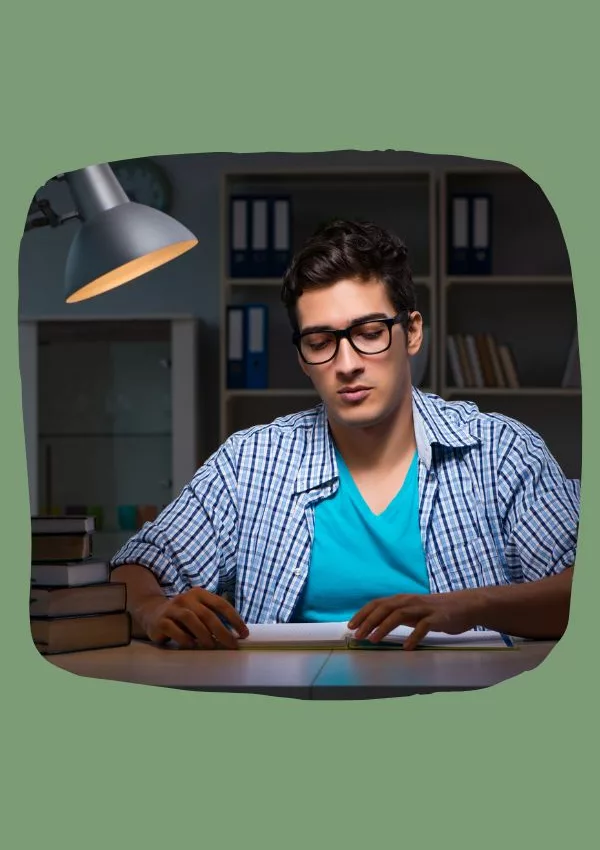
(306, 674)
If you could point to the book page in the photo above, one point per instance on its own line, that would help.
(337, 634)
(289, 634)
(470, 638)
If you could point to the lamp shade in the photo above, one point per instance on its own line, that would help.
(119, 240)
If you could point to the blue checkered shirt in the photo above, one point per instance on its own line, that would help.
(494, 508)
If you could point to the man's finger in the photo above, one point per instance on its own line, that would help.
(191, 622)
(399, 617)
(374, 619)
(172, 631)
(217, 628)
(364, 612)
(417, 634)
(227, 611)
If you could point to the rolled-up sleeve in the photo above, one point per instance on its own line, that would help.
(539, 507)
(192, 542)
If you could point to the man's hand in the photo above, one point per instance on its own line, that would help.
(192, 619)
(453, 612)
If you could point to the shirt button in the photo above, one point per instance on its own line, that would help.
(297, 571)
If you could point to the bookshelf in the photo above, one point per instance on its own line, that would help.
(525, 302)
(110, 416)
(399, 198)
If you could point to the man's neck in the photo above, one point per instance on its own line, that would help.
(383, 446)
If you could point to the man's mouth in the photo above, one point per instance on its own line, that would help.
(354, 393)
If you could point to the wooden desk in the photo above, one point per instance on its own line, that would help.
(285, 674)
(310, 674)
(276, 673)
(368, 674)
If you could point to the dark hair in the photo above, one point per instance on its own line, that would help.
(350, 249)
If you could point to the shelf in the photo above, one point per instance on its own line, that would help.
(558, 392)
(509, 280)
(322, 173)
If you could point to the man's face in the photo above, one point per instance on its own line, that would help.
(385, 377)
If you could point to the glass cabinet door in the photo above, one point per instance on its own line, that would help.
(105, 423)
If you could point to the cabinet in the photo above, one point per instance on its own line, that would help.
(110, 415)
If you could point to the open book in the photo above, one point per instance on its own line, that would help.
(339, 636)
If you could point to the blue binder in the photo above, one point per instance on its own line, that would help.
(236, 364)
(259, 237)
(459, 235)
(256, 355)
(480, 255)
(280, 235)
(240, 263)
(469, 234)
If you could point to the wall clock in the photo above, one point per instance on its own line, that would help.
(144, 182)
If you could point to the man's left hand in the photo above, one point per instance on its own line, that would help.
(453, 612)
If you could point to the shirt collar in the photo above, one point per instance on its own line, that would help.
(434, 423)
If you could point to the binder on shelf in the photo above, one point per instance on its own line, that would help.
(240, 264)
(259, 237)
(459, 235)
(256, 346)
(480, 254)
(470, 234)
(236, 366)
(281, 235)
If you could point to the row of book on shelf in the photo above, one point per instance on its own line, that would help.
(479, 360)
(259, 235)
(73, 605)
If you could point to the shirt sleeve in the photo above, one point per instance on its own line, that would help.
(539, 507)
(193, 541)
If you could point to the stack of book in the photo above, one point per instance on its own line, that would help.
(72, 604)
(477, 360)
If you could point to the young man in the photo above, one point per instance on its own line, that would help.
(381, 506)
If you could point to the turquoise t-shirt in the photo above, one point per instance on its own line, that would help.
(358, 556)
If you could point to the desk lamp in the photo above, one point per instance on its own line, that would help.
(119, 239)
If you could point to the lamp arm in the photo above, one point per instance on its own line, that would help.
(48, 215)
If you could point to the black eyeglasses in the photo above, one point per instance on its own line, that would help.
(372, 337)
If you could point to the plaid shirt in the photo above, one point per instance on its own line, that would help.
(494, 508)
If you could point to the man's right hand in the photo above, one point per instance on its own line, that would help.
(192, 620)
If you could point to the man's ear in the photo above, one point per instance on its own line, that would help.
(415, 333)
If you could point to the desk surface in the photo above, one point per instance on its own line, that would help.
(372, 674)
(306, 674)
(278, 673)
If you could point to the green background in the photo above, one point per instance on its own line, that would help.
(93, 763)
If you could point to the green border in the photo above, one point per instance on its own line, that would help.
(109, 764)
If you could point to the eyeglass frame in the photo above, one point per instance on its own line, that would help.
(344, 333)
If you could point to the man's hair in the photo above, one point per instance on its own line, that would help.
(350, 249)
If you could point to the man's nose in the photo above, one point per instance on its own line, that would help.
(347, 358)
